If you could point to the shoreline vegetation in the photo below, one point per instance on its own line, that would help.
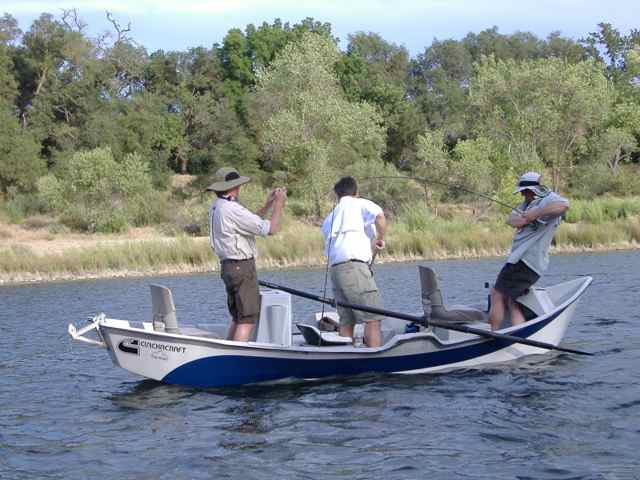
(35, 255)
(106, 148)
(31, 278)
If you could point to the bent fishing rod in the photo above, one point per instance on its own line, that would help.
(444, 184)
(422, 320)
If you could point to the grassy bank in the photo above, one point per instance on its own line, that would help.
(413, 234)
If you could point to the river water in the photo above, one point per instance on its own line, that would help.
(67, 413)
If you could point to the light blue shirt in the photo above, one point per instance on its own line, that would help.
(531, 243)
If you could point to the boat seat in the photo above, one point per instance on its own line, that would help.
(163, 310)
(313, 336)
(274, 323)
(434, 307)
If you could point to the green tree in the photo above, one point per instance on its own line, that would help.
(42, 57)
(440, 78)
(203, 71)
(147, 128)
(433, 161)
(9, 33)
(473, 165)
(615, 45)
(614, 147)
(20, 162)
(8, 83)
(125, 68)
(59, 81)
(563, 48)
(214, 136)
(548, 105)
(244, 54)
(9, 30)
(308, 129)
(375, 71)
(139, 125)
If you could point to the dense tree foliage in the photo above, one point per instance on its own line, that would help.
(283, 103)
(310, 130)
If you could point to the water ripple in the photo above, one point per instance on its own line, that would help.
(69, 414)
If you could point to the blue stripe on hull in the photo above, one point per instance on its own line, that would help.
(219, 371)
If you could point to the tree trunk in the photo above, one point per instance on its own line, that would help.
(43, 77)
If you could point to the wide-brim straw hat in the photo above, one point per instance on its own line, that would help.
(226, 179)
(530, 181)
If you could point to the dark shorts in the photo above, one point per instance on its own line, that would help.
(514, 279)
(243, 296)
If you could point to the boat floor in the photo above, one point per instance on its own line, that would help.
(218, 332)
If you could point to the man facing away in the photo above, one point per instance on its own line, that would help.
(232, 232)
(349, 245)
(536, 220)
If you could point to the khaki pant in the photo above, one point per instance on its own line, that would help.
(353, 282)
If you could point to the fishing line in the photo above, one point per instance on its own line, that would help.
(445, 184)
(326, 271)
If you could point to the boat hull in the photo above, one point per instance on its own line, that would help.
(177, 359)
(202, 361)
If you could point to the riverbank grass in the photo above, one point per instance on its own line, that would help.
(415, 233)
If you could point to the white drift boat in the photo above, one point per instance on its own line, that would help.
(441, 339)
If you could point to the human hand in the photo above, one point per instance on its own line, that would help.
(280, 195)
(270, 199)
(518, 220)
(378, 245)
(530, 215)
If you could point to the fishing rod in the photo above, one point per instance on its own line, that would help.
(422, 320)
(444, 184)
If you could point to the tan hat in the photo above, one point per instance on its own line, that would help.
(226, 179)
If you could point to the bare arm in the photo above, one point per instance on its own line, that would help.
(280, 197)
(262, 212)
(381, 230)
(515, 219)
(554, 209)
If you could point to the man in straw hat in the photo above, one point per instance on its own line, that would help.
(536, 220)
(232, 231)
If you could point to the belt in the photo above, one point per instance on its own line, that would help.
(235, 260)
(347, 261)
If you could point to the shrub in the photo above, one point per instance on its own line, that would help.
(92, 192)
(633, 228)
(191, 219)
(416, 218)
(600, 210)
(22, 205)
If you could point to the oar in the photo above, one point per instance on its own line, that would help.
(422, 320)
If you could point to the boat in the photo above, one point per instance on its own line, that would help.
(442, 338)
